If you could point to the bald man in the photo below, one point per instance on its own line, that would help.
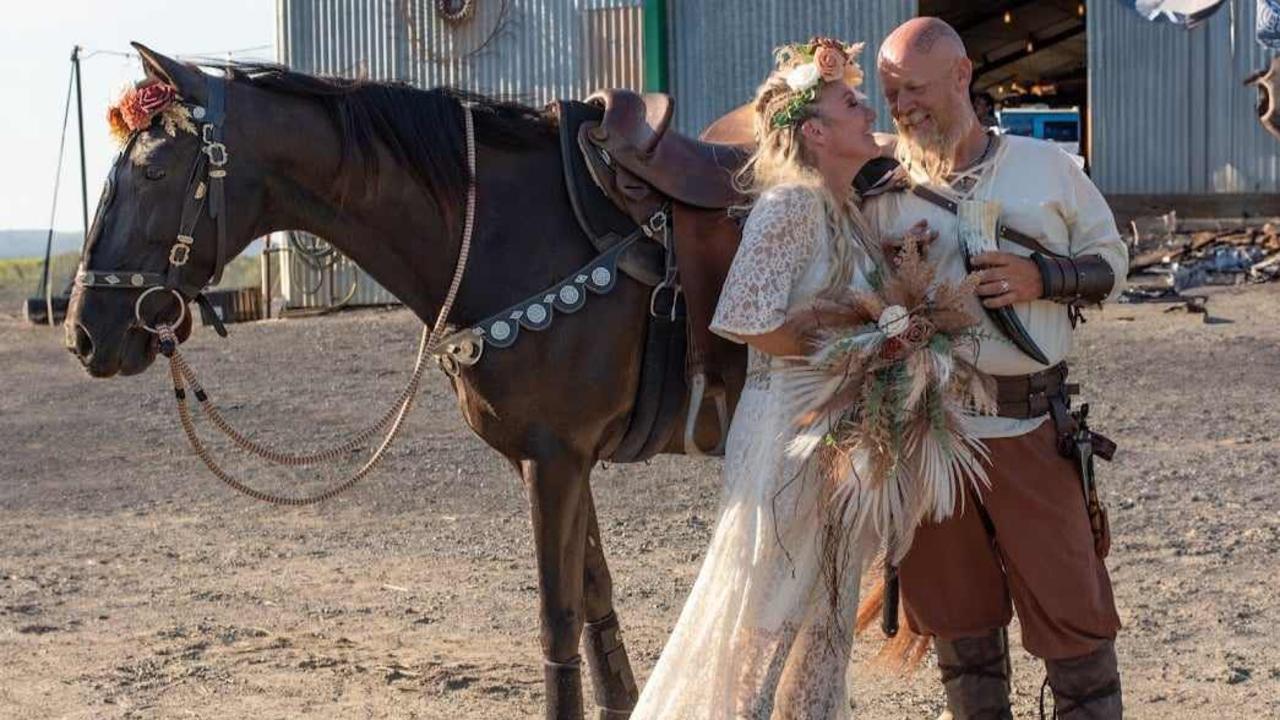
(1033, 542)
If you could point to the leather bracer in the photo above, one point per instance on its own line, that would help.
(1084, 280)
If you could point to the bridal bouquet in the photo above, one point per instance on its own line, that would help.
(884, 398)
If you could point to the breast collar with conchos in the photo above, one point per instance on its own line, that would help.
(205, 189)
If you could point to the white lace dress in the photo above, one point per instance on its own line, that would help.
(758, 637)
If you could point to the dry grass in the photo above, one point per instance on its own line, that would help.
(20, 278)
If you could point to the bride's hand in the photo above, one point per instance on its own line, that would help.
(812, 326)
(920, 233)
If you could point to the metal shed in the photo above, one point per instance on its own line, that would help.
(532, 51)
(1167, 120)
(720, 50)
(1169, 112)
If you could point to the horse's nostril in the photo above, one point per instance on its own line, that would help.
(83, 343)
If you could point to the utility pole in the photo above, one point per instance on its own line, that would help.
(84, 180)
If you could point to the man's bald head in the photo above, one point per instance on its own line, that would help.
(922, 40)
(925, 76)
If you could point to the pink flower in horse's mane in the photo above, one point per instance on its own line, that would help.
(154, 97)
(138, 106)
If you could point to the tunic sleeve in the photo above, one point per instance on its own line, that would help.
(1093, 227)
(777, 246)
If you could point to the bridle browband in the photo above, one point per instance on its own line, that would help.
(205, 190)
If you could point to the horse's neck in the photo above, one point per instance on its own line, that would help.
(398, 235)
(395, 234)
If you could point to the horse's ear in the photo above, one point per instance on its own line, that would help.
(187, 79)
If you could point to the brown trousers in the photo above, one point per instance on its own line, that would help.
(959, 577)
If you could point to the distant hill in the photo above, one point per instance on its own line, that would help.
(30, 243)
(15, 244)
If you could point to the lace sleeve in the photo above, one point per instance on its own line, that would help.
(777, 244)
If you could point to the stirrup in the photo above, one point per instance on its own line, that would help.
(697, 391)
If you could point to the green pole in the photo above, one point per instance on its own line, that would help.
(655, 46)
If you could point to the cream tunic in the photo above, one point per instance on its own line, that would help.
(1042, 194)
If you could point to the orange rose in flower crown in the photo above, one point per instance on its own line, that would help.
(807, 66)
(830, 62)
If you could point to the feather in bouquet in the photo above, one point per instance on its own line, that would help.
(883, 400)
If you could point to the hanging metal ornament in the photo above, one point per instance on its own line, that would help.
(455, 11)
(459, 30)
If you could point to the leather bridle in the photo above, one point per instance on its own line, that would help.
(205, 191)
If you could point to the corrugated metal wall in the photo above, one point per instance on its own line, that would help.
(1168, 111)
(533, 51)
(308, 285)
(722, 49)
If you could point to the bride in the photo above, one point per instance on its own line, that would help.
(767, 630)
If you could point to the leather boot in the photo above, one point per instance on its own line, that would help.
(1085, 687)
(615, 686)
(975, 675)
(563, 682)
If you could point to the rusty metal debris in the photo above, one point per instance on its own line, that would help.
(1175, 257)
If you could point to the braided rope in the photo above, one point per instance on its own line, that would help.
(183, 377)
(327, 455)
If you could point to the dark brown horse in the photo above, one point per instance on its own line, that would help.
(380, 171)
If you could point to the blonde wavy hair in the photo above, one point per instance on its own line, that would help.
(780, 157)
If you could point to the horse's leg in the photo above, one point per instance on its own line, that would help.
(614, 685)
(557, 485)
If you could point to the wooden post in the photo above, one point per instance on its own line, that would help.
(266, 277)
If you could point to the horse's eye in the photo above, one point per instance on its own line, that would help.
(155, 173)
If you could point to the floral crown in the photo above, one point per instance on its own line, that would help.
(139, 106)
(807, 66)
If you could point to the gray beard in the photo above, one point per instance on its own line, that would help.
(930, 151)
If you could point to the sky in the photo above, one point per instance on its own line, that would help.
(36, 40)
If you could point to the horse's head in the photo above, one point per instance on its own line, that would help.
(162, 230)
(1267, 82)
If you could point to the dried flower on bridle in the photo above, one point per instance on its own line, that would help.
(140, 105)
(807, 67)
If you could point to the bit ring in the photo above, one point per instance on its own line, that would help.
(137, 309)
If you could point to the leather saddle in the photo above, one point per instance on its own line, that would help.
(645, 168)
(638, 162)
(635, 134)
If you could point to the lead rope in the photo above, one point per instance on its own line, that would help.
(183, 376)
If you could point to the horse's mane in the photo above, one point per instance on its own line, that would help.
(422, 129)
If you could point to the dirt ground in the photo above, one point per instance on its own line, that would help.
(134, 585)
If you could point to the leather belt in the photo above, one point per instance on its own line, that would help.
(1030, 396)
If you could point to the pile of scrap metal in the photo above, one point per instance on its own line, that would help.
(1163, 266)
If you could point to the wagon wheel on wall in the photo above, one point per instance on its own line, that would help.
(455, 11)
(461, 28)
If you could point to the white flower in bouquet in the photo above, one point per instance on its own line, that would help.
(894, 320)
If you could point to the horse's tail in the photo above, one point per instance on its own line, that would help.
(903, 652)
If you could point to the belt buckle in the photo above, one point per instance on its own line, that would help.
(1037, 403)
